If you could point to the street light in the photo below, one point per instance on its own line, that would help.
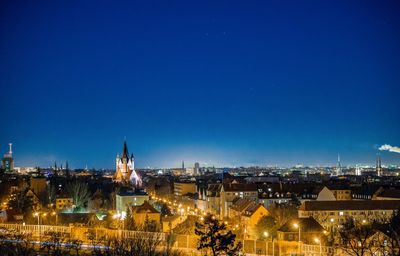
(266, 242)
(296, 225)
(55, 214)
(36, 214)
(318, 241)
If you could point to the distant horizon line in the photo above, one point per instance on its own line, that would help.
(226, 167)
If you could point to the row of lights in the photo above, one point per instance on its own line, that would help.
(179, 207)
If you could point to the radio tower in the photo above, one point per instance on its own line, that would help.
(338, 167)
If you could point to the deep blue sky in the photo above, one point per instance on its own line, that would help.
(219, 82)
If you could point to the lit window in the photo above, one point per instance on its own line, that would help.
(341, 213)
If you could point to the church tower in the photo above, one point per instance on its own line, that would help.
(125, 168)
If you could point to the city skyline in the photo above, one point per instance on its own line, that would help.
(227, 84)
(188, 162)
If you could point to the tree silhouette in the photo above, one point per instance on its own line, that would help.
(355, 238)
(214, 237)
(130, 223)
(21, 202)
(266, 224)
(165, 210)
(282, 213)
(387, 237)
(80, 194)
(149, 225)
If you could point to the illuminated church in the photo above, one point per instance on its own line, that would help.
(125, 168)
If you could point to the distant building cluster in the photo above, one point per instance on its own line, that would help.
(291, 205)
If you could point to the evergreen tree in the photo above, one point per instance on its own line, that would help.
(165, 210)
(130, 223)
(149, 225)
(214, 237)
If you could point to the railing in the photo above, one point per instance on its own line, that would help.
(36, 230)
(187, 243)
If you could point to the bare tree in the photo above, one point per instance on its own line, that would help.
(148, 243)
(16, 243)
(387, 237)
(80, 194)
(21, 202)
(54, 244)
(282, 213)
(355, 238)
(74, 245)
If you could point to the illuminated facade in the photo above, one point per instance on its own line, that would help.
(8, 161)
(125, 168)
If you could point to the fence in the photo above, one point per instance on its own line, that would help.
(186, 243)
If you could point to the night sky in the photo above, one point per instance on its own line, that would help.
(224, 83)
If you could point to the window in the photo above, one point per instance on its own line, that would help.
(341, 213)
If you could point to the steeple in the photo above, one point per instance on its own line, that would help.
(125, 152)
(125, 168)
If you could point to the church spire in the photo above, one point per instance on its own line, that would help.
(125, 152)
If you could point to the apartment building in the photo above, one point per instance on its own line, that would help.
(331, 214)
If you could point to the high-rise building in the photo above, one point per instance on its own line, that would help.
(338, 167)
(358, 170)
(125, 168)
(196, 170)
(378, 166)
(8, 161)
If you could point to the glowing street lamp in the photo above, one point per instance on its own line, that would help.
(36, 214)
(296, 225)
(54, 213)
(318, 241)
(266, 234)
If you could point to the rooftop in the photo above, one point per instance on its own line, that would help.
(306, 225)
(348, 205)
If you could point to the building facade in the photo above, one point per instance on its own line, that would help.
(123, 200)
(64, 202)
(183, 188)
(331, 214)
(8, 161)
(125, 168)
